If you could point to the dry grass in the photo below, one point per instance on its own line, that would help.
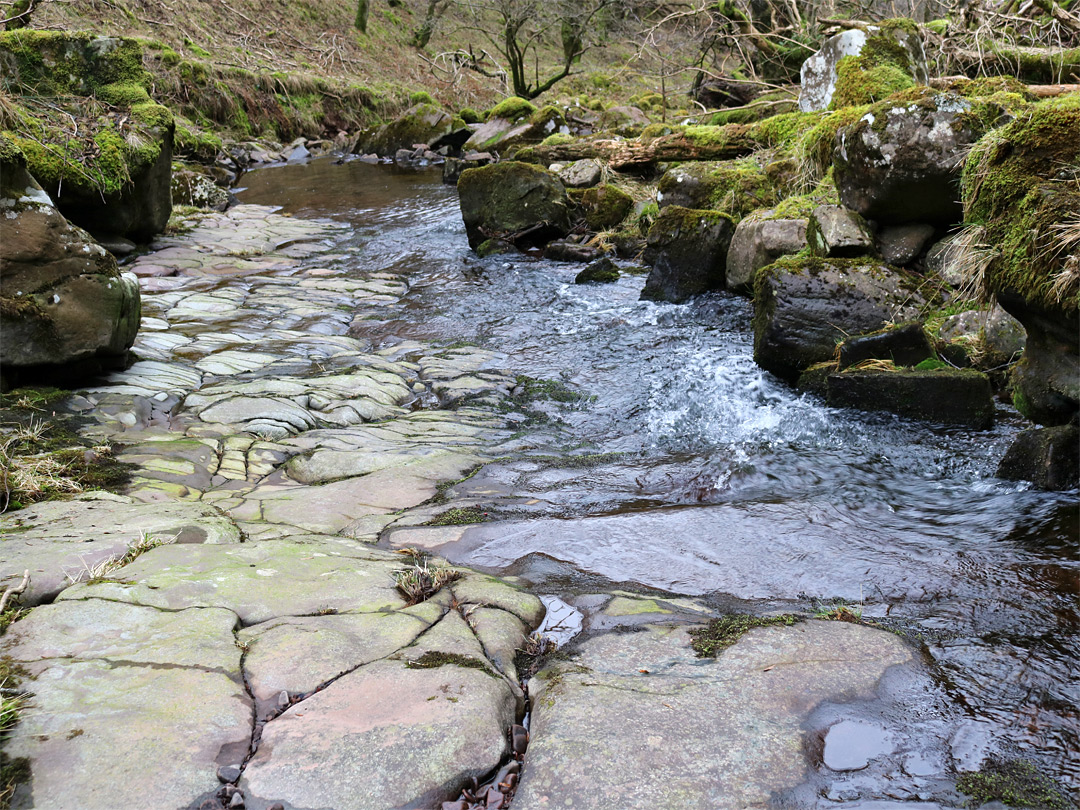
(969, 257)
(1066, 282)
(420, 581)
(102, 570)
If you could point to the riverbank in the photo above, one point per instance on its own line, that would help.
(304, 384)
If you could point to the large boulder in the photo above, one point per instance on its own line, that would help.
(687, 250)
(63, 301)
(758, 242)
(901, 162)
(1021, 195)
(422, 123)
(515, 122)
(106, 169)
(860, 66)
(606, 206)
(803, 307)
(735, 187)
(520, 201)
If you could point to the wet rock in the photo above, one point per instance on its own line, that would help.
(61, 542)
(560, 251)
(525, 203)
(495, 247)
(803, 307)
(64, 301)
(754, 704)
(601, 271)
(606, 206)
(900, 245)
(228, 774)
(1047, 457)
(479, 589)
(851, 745)
(1047, 378)
(582, 173)
(758, 243)
(409, 736)
(901, 163)
(944, 395)
(904, 345)
(421, 124)
(687, 250)
(837, 232)
(819, 73)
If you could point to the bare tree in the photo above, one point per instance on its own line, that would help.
(517, 29)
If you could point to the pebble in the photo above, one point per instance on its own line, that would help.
(228, 774)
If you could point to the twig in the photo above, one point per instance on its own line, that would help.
(14, 590)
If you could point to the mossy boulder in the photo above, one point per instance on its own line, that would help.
(65, 63)
(602, 271)
(64, 306)
(945, 395)
(805, 306)
(606, 206)
(687, 250)
(195, 188)
(1021, 190)
(422, 123)
(517, 201)
(735, 187)
(511, 124)
(900, 161)
(100, 147)
(859, 66)
(624, 120)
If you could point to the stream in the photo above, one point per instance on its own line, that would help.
(681, 468)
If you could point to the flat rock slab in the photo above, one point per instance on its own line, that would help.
(709, 733)
(384, 736)
(257, 581)
(60, 542)
(131, 706)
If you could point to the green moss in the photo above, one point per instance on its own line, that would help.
(124, 95)
(57, 63)
(930, 364)
(470, 116)
(421, 97)
(1016, 784)
(511, 109)
(1021, 184)
(858, 84)
(939, 27)
(532, 389)
(434, 660)
(783, 130)
(735, 187)
(459, 516)
(606, 206)
(557, 139)
(721, 633)
(814, 147)
(801, 206)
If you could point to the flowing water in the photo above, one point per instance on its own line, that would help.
(685, 468)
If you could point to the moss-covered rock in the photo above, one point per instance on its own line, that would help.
(1048, 457)
(735, 187)
(99, 146)
(517, 200)
(804, 306)
(601, 271)
(863, 65)
(514, 123)
(900, 160)
(1021, 189)
(687, 250)
(63, 302)
(421, 123)
(512, 109)
(606, 206)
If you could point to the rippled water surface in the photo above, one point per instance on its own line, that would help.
(709, 477)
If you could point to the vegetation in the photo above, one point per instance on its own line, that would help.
(1014, 783)
(420, 581)
(721, 633)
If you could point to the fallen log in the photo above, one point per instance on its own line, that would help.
(690, 143)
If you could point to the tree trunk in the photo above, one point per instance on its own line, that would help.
(362, 15)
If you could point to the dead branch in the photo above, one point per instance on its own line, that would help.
(14, 590)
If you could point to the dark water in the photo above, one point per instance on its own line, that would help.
(722, 481)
